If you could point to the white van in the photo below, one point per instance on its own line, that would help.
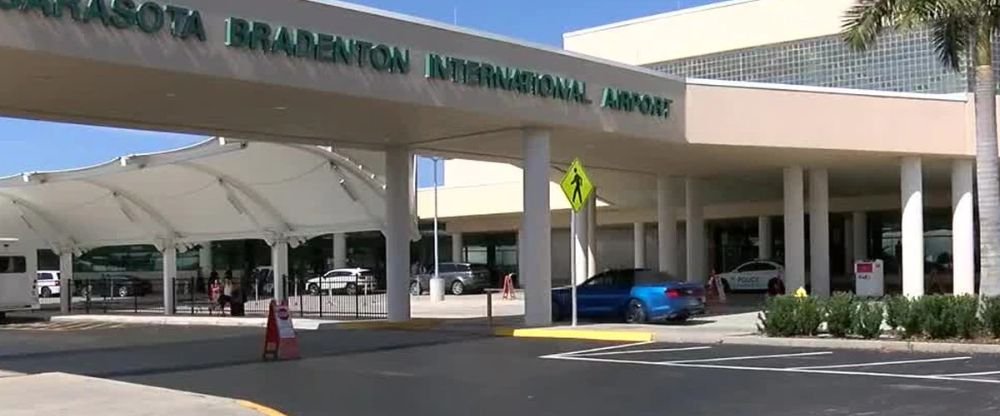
(17, 280)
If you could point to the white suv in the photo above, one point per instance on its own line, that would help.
(349, 281)
(47, 282)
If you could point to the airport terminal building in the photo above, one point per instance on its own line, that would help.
(708, 148)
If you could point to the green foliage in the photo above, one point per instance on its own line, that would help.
(937, 316)
(866, 319)
(991, 315)
(896, 308)
(808, 316)
(778, 317)
(911, 319)
(838, 314)
(966, 310)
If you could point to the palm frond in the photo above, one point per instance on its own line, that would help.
(864, 21)
(951, 37)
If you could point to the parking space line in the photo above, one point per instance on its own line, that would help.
(881, 363)
(645, 351)
(831, 372)
(749, 357)
(613, 347)
(981, 373)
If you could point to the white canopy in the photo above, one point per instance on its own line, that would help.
(220, 189)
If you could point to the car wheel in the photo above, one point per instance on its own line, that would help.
(123, 292)
(457, 288)
(725, 286)
(415, 288)
(635, 313)
(351, 289)
(46, 292)
(314, 289)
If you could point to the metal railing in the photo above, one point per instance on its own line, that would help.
(355, 298)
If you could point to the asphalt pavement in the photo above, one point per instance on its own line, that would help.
(366, 372)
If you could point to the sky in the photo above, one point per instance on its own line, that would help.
(27, 146)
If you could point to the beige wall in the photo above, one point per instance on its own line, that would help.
(709, 29)
(724, 113)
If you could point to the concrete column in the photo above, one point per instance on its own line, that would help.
(962, 228)
(279, 265)
(911, 187)
(205, 259)
(169, 275)
(666, 217)
(859, 233)
(339, 251)
(65, 277)
(535, 265)
(848, 247)
(819, 232)
(795, 251)
(457, 247)
(695, 231)
(397, 232)
(580, 245)
(765, 238)
(592, 235)
(639, 244)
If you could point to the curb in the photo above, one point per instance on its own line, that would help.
(875, 345)
(259, 408)
(177, 320)
(418, 324)
(580, 334)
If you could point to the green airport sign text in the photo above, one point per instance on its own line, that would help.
(297, 43)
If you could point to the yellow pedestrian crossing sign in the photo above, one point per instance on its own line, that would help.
(576, 185)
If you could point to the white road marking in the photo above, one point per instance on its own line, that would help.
(981, 373)
(775, 370)
(750, 357)
(644, 351)
(560, 354)
(832, 372)
(881, 363)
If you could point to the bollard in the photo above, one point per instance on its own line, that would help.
(489, 305)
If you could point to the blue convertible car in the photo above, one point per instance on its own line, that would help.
(634, 295)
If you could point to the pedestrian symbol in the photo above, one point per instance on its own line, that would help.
(576, 185)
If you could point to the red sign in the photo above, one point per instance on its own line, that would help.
(280, 341)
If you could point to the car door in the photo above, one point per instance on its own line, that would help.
(756, 275)
(339, 280)
(594, 295)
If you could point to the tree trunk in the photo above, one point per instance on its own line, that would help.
(988, 186)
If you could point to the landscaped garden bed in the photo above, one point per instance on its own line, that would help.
(928, 318)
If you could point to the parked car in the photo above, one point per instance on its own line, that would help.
(459, 278)
(113, 285)
(349, 281)
(47, 282)
(633, 295)
(752, 275)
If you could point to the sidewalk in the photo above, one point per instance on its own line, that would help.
(66, 394)
(183, 320)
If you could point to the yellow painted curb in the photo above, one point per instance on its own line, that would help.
(412, 325)
(585, 334)
(259, 408)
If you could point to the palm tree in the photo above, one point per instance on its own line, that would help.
(962, 31)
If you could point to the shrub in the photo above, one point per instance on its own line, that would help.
(937, 316)
(965, 310)
(866, 319)
(911, 319)
(991, 315)
(778, 317)
(808, 316)
(838, 314)
(896, 308)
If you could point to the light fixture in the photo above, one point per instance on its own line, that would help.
(279, 108)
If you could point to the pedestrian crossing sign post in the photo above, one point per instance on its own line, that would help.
(576, 185)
